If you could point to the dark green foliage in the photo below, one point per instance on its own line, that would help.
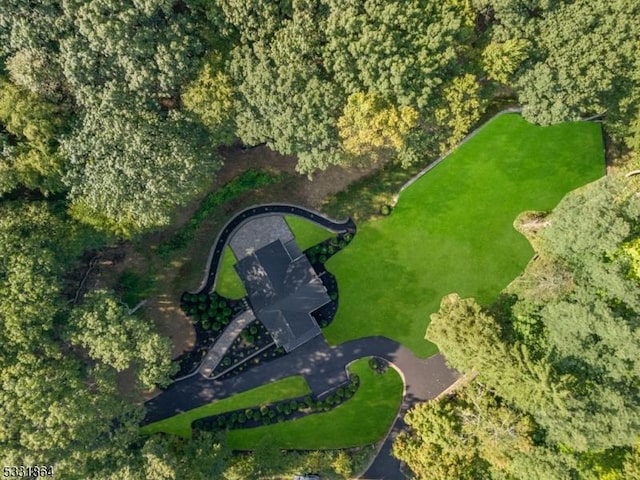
(128, 171)
(560, 70)
(134, 287)
(29, 155)
(249, 180)
(577, 309)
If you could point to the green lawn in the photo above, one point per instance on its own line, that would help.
(281, 390)
(452, 231)
(228, 283)
(307, 233)
(362, 420)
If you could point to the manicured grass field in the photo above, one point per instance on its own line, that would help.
(362, 420)
(281, 390)
(228, 283)
(452, 231)
(307, 233)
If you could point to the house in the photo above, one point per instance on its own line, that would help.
(283, 290)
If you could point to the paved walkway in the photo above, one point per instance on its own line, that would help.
(222, 344)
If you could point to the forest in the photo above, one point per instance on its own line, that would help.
(114, 114)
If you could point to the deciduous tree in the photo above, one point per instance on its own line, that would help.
(128, 171)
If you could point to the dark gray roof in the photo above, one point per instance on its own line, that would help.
(283, 292)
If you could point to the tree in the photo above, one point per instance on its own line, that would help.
(502, 59)
(29, 154)
(369, 124)
(462, 110)
(570, 69)
(285, 96)
(403, 51)
(437, 446)
(632, 464)
(128, 171)
(210, 97)
(584, 333)
(120, 340)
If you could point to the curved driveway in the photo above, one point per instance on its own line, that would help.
(323, 367)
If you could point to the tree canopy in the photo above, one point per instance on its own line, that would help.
(112, 113)
(565, 355)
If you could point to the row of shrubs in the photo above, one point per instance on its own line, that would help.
(239, 359)
(211, 311)
(249, 180)
(279, 411)
(321, 252)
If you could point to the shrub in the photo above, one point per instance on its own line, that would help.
(256, 416)
(242, 418)
(226, 361)
(340, 392)
(264, 410)
(253, 330)
(373, 363)
(322, 259)
(385, 210)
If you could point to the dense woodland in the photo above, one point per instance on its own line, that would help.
(112, 114)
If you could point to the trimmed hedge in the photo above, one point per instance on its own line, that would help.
(279, 411)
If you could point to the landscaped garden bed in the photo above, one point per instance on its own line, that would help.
(210, 315)
(285, 389)
(362, 420)
(318, 255)
(254, 337)
(270, 353)
(280, 411)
